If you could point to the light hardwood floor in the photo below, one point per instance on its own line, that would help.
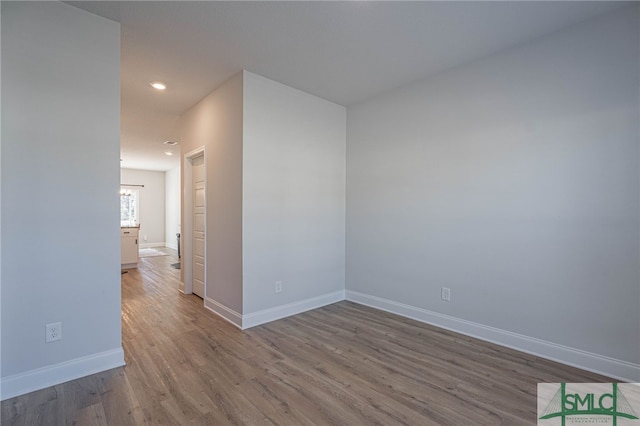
(343, 364)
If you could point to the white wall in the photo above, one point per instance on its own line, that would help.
(293, 195)
(152, 204)
(216, 124)
(172, 207)
(513, 181)
(275, 161)
(60, 177)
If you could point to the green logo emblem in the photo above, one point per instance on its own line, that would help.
(566, 404)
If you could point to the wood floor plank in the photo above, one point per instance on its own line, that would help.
(91, 415)
(344, 364)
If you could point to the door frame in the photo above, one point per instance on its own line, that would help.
(187, 220)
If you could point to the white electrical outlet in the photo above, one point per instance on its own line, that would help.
(445, 294)
(53, 332)
(278, 286)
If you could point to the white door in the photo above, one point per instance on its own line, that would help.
(198, 225)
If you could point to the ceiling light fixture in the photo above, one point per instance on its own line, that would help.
(172, 143)
(168, 152)
(158, 85)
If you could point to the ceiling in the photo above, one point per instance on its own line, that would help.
(345, 52)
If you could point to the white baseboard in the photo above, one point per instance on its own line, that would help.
(226, 313)
(267, 315)
(600, 364)
(151, 245)
(171, 245)
(40, 378)
(278, 312)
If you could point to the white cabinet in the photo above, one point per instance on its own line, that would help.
(129, 247)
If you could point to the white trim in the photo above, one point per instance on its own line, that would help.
(40, 378)
(282, 311)
(170, 245)
(224, 312)
(151, 245)
(600, 364)
(267, 315)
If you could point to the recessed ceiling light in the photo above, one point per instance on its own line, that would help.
(172, 143)
(158, 85)
(168, 152)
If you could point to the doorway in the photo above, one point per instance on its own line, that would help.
(194, 246)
